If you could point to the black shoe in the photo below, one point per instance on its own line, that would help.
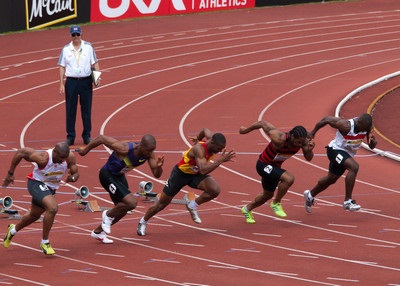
(70, 142)
(86, 141)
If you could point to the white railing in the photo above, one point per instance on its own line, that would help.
(388, 154)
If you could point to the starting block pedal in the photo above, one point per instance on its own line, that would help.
(92, 206)
(13, 214)
(190, 195)
(89, 206)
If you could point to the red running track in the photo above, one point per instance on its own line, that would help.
(171, 76)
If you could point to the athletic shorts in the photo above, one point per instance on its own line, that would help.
(178, 179)
(337, 158)
(270, 175)
(38, 191)
(116, 185)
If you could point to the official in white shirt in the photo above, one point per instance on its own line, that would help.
(76, 62)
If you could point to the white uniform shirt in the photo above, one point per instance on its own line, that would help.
(52, 174)
(78, 63)
(350, 142)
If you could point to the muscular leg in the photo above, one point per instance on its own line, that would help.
(162, 202)
(30, 217)
(128, 203)
(50, 204)
(352, 166)
(286, 181)
(323, 183)
(260, 199)
(210, 189)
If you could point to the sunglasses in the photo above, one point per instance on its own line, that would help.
(75, 35)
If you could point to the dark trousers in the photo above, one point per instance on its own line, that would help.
(78, 88)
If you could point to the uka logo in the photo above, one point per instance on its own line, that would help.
(106, 9)
(143, 8)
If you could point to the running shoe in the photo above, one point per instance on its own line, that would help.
(47, 249)
(248, 215)
(106, 222)
(277, 208)
(102, 236)
(141, 229)
(350, 205)
(9, 236)
(308, 201)
(193, 212)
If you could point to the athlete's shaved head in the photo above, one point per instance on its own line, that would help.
(148, 140)
(62, 148)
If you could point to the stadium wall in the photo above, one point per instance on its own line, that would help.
(20, 15)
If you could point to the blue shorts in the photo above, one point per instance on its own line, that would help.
(270, 175)
(178, 179)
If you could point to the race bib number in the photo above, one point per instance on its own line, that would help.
(268, 169)
(43, 188)
(112, 188)
(339, 159)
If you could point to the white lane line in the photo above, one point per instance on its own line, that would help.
(189, 244)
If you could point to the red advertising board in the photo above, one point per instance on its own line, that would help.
(105, 10)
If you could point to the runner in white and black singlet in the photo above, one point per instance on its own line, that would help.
(49, 168)
(341, 150)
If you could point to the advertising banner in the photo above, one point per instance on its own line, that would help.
(43, 13)
(284, 2)
(105, 10)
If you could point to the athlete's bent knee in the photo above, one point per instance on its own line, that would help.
(214, 192)
(52, 211)
(131, 205)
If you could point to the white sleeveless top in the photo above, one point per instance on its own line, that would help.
(350, 142)
(52, 174)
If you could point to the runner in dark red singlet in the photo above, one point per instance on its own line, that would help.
(282, 147)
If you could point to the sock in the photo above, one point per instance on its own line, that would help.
(13, 231)
(143, 221)
(193, 205)
(246, 209)
(45, 241)
(111, 218)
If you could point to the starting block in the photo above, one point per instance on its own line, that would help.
(13, 214)
(155, 197)
(146, 188)
(89, 206)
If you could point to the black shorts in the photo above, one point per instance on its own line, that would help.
(116, 185)
(337, 158)
(178, 179)
(270, 175)
(38, 191)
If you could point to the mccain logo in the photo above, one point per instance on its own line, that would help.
(43, 13)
